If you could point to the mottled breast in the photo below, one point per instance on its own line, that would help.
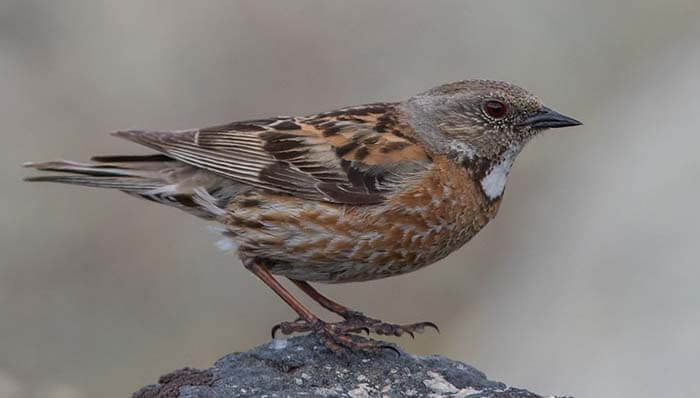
(327, 242)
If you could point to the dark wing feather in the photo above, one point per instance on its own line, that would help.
(345, 156)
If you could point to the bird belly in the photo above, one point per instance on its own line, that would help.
(333, 243)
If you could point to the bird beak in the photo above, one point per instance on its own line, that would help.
(547, 118)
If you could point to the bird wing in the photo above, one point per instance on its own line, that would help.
(354, 155)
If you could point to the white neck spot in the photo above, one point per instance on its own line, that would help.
(494, 183)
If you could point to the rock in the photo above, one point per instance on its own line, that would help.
(301, 366)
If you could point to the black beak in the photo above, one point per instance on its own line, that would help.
(547, 118)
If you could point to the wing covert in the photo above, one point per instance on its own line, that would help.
(353, 156)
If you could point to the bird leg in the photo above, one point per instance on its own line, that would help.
(354, 321)
(334, 338)
(325, 302)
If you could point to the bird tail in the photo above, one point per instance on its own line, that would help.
(154, 177)
(130, 173)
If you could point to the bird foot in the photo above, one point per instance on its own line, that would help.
(338, 335)
(358, 321)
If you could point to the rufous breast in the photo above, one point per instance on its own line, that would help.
(315, 241)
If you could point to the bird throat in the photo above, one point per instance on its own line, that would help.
(491, 173)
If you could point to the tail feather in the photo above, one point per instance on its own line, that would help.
(131, 158)
(124, 184)
(90, 169)
(155, 177)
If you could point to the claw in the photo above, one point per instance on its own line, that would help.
(297, 326)
(274, 330)
(431, 325)
(390, 348)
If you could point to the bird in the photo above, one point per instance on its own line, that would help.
(355, 194)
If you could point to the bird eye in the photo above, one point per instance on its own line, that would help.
(495, 109)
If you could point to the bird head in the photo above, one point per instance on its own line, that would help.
(480, 118)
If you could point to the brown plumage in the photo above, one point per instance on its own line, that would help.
(355, 194)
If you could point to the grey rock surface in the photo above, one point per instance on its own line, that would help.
(302, 367)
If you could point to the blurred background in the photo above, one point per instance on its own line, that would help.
(585, 284)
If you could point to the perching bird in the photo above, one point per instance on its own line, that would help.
(359, 193)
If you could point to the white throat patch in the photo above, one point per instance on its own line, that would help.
(494, 183)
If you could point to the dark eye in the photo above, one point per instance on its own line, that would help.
(495, 109)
